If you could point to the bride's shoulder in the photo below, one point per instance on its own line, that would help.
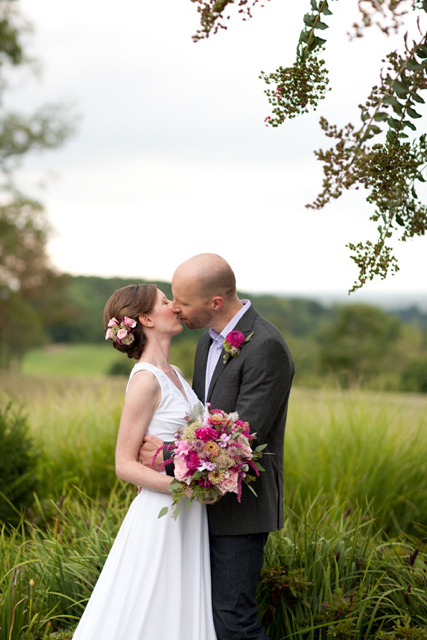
(143, 378)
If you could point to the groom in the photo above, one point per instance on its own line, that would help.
(256, 384)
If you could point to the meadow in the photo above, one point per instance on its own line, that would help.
(350, 561)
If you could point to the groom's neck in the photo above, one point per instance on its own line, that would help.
(227, 313)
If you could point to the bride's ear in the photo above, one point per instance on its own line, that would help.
(145, 320)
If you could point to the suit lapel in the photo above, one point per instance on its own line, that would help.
(244, 325)
(200, 369)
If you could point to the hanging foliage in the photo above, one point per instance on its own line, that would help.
(383, 153)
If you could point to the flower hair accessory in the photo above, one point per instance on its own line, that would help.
(121, 331)
(233, 342)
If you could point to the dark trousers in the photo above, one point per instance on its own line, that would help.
(236, 562)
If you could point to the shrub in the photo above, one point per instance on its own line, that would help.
(121, 367)
(414, 376)
(18, 461)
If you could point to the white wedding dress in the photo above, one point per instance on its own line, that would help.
(155, 583)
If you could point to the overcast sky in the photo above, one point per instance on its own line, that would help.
(172, 157)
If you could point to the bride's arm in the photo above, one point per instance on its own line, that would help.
(142, 398)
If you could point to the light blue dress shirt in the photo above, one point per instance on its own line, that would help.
(218, 343)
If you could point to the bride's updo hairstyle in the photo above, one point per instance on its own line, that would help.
(130, 302)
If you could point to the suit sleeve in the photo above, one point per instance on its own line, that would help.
(169, 468)
(265, 385)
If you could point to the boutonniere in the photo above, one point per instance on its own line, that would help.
(233, 342)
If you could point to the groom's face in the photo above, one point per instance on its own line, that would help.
(191, 308)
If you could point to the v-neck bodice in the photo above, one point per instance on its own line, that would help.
(173, 405)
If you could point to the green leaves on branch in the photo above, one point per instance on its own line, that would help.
(212, 16)
(389, 169)
(308, 39)
(296, 89)
(299, 88)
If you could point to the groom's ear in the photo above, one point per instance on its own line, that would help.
(145, 320)
(217, 303)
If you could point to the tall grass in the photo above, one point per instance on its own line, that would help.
(349, 562)
(50, 571)
(74, 424)
(326, 574)
(364, 448)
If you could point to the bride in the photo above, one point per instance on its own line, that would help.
(156, 580)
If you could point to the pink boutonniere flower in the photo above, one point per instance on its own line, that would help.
(233, 342)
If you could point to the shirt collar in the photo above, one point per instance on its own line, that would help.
(230, 326)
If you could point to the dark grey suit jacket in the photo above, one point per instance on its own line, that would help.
(256, 384)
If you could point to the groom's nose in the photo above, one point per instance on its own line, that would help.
(175, 307)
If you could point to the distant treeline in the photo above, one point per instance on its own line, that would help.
(351, 344)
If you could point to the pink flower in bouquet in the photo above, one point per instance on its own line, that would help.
(246, 451)
(244, 426)
(182, 448)
(113, 322)
(207, 465)
(193, 461)
(122, 333)
(235, 339)
(223, 440)
(234, 450)
(109, 335)
(180, 469)
(198, 445)
(217, 418)
(206, 434)
(230, 483)
(212, 454)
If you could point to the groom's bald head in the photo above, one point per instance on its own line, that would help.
(208, 275)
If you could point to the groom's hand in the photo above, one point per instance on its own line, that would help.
(147, 450)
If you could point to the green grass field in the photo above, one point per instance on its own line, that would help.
(80, 360)
(92, 361)
(350, 562)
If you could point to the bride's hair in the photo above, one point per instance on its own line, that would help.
(131, 301)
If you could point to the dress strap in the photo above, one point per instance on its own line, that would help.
(146, 366)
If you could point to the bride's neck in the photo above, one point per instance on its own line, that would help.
(156, 352)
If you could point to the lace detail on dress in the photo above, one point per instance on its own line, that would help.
(176, 392)
(163, 379)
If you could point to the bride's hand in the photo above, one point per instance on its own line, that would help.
(147, 450)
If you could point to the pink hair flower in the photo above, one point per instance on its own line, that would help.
(129, 322)
(121, 331)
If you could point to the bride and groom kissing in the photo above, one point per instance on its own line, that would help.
(196, 578)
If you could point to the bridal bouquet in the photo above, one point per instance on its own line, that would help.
(212, 454)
